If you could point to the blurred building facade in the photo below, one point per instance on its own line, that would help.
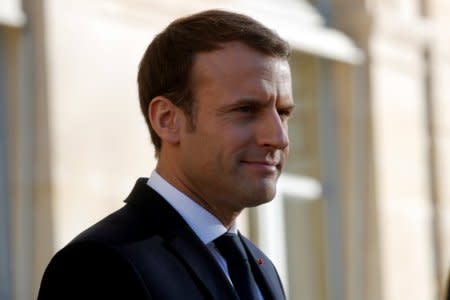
(370, 127)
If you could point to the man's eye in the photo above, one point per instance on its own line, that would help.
(284, 114)
(245, 109)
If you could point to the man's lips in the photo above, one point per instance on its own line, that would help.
(267, 163)
(267, 166)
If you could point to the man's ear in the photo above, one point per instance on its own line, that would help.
(165, 118)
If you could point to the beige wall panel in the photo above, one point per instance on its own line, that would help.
(403, 8)
(401, 173)
(439, 8)
(443, 157)
(304, 224)
(303, 127)
(442, 130)
(406, 253)
(99, 142)
(442, 126)
(399, 132)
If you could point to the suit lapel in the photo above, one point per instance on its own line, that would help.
(198, 258)
(182, 241)
(265, 271)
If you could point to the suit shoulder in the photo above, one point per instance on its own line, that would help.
(145, 214)
(90, 268)
(119, 227)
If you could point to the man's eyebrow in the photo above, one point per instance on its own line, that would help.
(254, 102)
(291, 107)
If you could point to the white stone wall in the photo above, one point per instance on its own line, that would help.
(396, 34)
(401, 174)
(439, 12)
(99, 141)
(402, 146)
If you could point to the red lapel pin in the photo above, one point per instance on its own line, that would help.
(260, 261)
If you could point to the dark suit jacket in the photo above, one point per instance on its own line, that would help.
(145, 250)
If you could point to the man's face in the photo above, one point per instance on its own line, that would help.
(234, 156)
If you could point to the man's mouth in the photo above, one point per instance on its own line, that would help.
(269, 163)
(262, 165)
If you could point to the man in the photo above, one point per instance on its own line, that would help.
(215, 90)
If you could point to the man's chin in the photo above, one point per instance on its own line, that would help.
(262, 195)
(259, 201)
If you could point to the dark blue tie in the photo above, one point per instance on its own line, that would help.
(231, 248)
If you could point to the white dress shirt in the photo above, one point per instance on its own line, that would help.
(206, 226)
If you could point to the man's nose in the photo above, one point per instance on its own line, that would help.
(273, 132)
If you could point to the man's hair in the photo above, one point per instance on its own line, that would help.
(166, 67)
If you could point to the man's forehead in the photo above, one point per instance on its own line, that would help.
(234, 57)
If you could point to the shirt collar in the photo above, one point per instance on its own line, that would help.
(202, 222)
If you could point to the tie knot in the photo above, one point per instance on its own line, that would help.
(230, 246)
